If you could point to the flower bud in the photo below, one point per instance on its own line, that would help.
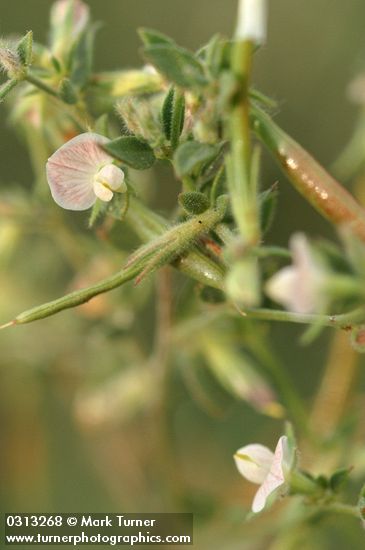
(142, 118)
(10, 62)
(69, 18)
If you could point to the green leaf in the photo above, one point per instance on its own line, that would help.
(177, 65)
(119, 206)
(173, 115)
(321, 481)
(166, 112)
(203, 386)
(102, 125)
(194, 202)
(81, 57)
(25, 49)
(268, 204)
(97, 211)
(7, 87)
(339, 478)
(191, 155)
(132, 151)
(150, 37)
(236, 372)
(67, 92)
(56, 64)
(216, 54)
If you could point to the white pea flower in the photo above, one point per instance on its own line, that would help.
(81, 171)
(252, 21)
(299, 287)
(270, 470)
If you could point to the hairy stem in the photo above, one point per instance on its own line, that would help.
(343, 320)
(242, 188)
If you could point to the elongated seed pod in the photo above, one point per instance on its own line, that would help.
(75, 298)
(195, 264)
(326, 194)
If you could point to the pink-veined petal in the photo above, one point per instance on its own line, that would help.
(71, 170)
(275, 478)
(254, 461)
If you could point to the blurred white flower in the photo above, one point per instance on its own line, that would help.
(270, 470)
(299, 287)
(80, 171)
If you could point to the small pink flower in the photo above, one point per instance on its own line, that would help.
(299, 287)
(269, 470)
(80, 171)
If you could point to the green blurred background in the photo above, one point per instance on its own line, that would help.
(49, 461)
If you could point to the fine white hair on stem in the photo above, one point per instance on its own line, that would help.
(252, 21)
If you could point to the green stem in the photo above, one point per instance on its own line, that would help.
(242, 188)
(344, 320)
(195, 264)
(241, 68)
(177, 119)
(41, 85)
(224, 233)
(148, 226)
(166, 457)
(283, 383)
(268, 251)
(340, 508)
(302, 485)
(74, 298)
(7, 87)
(344, 286)
(77, 112)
